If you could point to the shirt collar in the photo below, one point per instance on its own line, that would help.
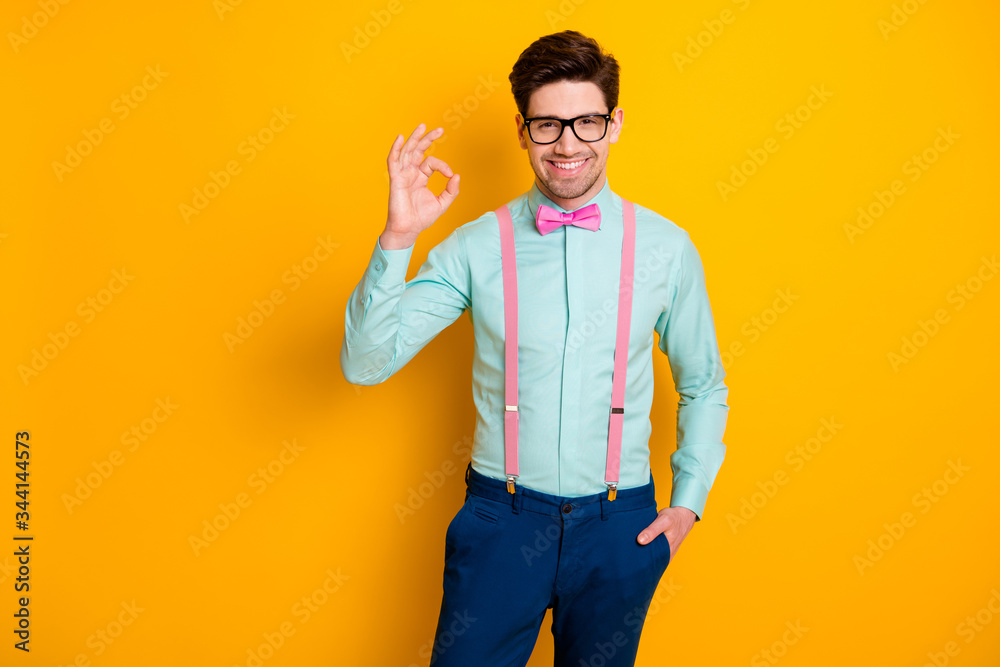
(603, 199)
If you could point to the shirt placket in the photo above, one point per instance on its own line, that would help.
(569, 418)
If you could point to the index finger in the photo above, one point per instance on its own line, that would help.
(432, 164)
(393, 157)
(429, 138)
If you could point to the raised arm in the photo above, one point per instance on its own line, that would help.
(387, 321)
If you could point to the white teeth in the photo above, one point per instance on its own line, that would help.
(568, 165)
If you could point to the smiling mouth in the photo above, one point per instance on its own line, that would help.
(567, 165)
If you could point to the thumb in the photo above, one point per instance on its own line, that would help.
(648, 533)
(449, 193)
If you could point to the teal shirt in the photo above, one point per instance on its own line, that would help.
(567, 310)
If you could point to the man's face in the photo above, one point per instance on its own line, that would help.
(569, 99)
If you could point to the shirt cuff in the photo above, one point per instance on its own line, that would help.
(687, 492)
(389, 265)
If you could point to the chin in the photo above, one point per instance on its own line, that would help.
(583, 183)
(556, 187)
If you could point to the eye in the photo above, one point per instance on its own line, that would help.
(546, 124)
(588, 121)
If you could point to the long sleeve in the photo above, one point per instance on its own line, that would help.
(687, 337)
(387, 320)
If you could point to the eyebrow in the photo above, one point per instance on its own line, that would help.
(586, 113)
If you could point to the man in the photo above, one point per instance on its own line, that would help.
(560, 510)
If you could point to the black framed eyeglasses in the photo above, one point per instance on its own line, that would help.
(589, 128)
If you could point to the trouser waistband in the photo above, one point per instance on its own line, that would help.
(525, 499)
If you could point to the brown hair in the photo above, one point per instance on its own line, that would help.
(566, 55)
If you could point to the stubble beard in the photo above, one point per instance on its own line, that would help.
(572, 189)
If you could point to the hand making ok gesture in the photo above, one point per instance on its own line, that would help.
(412, 206)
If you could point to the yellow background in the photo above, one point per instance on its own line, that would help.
(733, 586)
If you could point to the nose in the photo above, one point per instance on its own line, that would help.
(568, 145)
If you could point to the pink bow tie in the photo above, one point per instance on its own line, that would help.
(547, 218)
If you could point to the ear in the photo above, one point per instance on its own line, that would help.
(522, 138)
(617, 120)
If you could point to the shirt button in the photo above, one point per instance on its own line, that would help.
(378, 267)
(567, 508)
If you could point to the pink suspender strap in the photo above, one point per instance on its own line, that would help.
(509, 264)
(621, 350)
(510, 416)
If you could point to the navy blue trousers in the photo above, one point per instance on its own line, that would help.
(508, 558)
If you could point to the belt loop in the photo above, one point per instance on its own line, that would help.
(515, 505)
(605, 507)
(467, 469)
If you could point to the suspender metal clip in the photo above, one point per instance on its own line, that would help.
(612, 490)
(510, 478)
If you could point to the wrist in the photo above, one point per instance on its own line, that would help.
(687, 511)
(393, 241)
